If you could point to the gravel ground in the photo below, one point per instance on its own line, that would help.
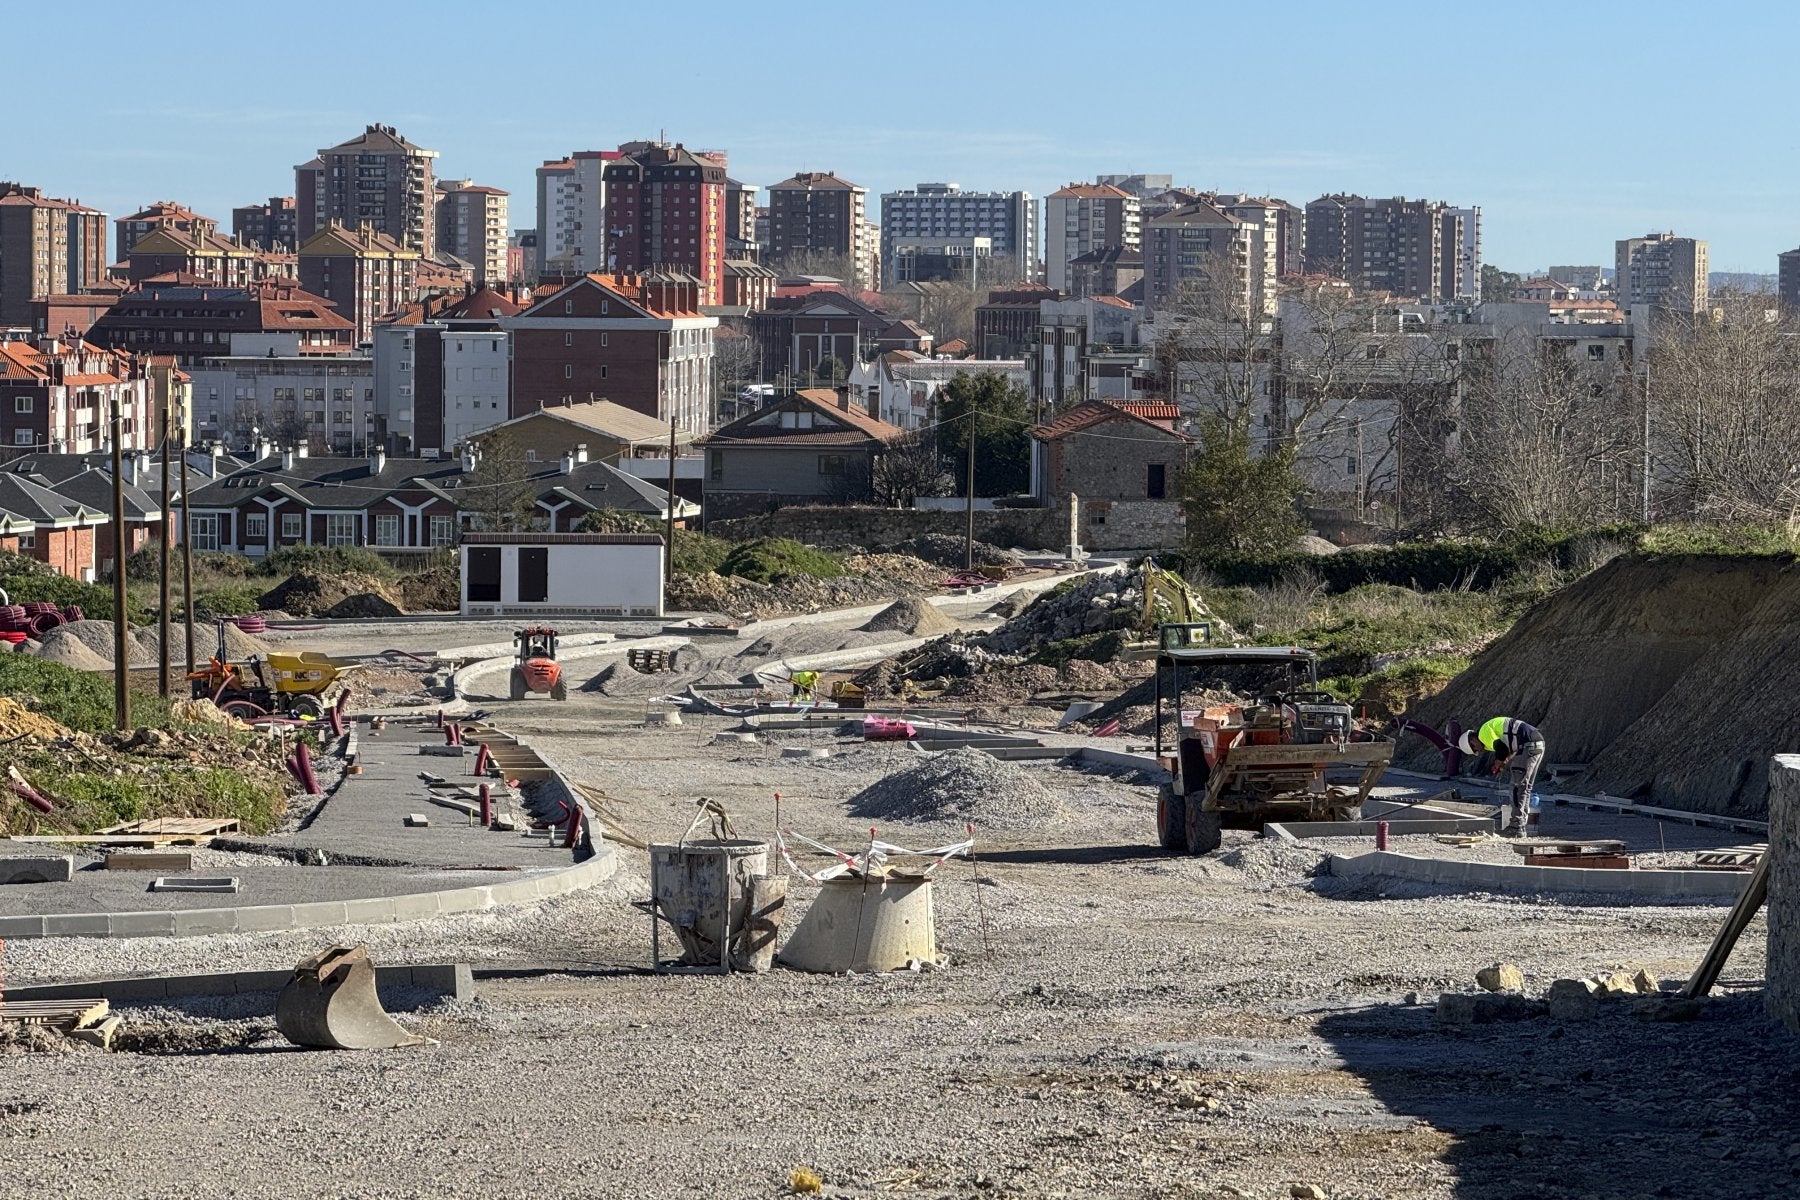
(1114, 1022)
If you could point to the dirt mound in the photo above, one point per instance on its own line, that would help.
(363, 604)
(912, 616)
(18, 721)
(1662, 674)
(436, 590)
(70, 646)
(619, 679)
(961, 786)
(313, 595)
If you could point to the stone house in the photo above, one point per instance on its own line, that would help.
(1123, 461)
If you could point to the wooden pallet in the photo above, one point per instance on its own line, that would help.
(177, 826)
(62, 1014)
(1557, 848)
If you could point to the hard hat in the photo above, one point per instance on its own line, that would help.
(1467, 743)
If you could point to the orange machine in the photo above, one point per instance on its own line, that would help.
(1248, 764)
(537, 670)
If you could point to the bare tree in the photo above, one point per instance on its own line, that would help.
(1723, 390)
(824, 262)
(910, 467)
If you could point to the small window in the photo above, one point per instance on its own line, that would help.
(256, 527)
(568, 371)
(568, 339)
(603, 338)
(1156, 487)
(21, 437)
(568, 306)
(831, 464)
(603, 370)
(21, 404)
(28, 540)
(290, 525)
(1596, 352)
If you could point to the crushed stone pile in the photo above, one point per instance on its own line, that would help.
(873, 578)
(308, 594)
(947, 550)
(1662, 674)
(962, 786)
(73, 647)
(88, 645)
(910, 616)
(620, 680)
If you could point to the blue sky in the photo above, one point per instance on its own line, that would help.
(1570, 124)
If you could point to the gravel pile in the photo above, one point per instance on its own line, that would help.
(961, 786)
(71, 646)
(88, 645)
(947, 550)
(910, 616)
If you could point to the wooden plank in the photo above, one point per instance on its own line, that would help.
(140, 841)
(176, 826)
(181, 861)
(65, 1014)
(1756, 890)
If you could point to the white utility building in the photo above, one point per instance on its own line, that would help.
(562, 574)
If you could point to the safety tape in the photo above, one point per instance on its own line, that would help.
(871, 862)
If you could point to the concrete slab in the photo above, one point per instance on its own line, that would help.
(37, 868)
(1650, 887)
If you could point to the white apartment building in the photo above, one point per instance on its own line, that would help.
(472, 224)
(571, 214)
(935, 211)
(1082, 218)
(323, 403)
(902, 390)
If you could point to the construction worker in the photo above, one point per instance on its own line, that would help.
(1517, 746)
(804, 684)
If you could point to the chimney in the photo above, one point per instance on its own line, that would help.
(140, 467)
(264, 448)
(377, 461)
(301, 450)
(568, 462)
(843, 398)
(581, 454)
(287, 459)
(469, 457)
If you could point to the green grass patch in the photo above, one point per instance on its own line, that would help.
(91, 800)
(1400, 684)
(228, 600)
(78, 699)
(94, 599)
(1754, 541)
(769, 560)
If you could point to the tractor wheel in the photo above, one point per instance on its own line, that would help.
(1171, 819)
(560, 689)
(518, 684)
(1204, 829)
(243, 710)
(308, 708)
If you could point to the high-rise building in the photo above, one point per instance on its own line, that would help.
(471, 224)
(1082, 218)
(665, 210)
(816, 212)
(1141, 186)
(48, 247)
(1277, 217)
(271, 226)
(1201, 256)
(1787, 280)
(164, 214)
(378, 177)
(936, 211)
(740, 221)
(363, 273)
(1416, 249)
(1662, 271)
(571, 214)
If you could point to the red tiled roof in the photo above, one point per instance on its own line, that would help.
(480, 304)
(1115, 301)
(862, 429)
(1091, 191)
(1090, 413)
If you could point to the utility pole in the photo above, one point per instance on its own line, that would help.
(969, 509)
(1646, 496)
(187, 549)
(669, 511)
(162, 609)
(121, 661)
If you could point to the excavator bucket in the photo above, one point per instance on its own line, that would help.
(331, 1004)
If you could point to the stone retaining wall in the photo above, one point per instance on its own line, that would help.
(1783, 992)
(1106, 525)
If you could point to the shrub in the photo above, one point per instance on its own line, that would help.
(79, 699)
(95, 599)
(1760, 541)
(616, 520)
(13, 565)
(327, 560)
(767, 560)
(228, 601)
(698, 553)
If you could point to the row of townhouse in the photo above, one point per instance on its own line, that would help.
(407, 505)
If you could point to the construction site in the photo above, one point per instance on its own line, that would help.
(1033, 878)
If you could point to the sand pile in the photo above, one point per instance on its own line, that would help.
(1663, 674)
(88, 645)
(961, 786)
(18, 721)
(910, 616)
(79, 645)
